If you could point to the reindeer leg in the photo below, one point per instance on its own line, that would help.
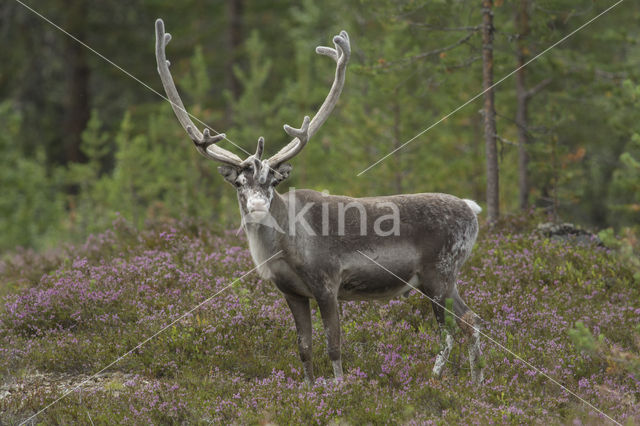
(477, 374)
(302, 316)
(447, 339)
(328, 305)
(468, 322)
(433, 283)
(443, 356)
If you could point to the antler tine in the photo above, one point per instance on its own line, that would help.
(205, 142)
(301, 135)
(259, 148)
(341, 54)
(206, 139)
(255, 158)
(342, 51)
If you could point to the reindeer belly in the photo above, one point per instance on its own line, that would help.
(388, 278)
(372, 290)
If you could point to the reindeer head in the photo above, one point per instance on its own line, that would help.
(254, 178)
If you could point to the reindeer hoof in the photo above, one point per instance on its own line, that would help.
(439, 365)
(477, 376)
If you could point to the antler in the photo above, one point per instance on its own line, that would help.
(205, 142)
(301, 136)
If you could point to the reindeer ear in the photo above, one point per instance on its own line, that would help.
(281, 173)
(229, 173)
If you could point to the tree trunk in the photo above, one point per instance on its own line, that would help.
(522, 119)
(77, 107)
(235, 36)
(493, 194)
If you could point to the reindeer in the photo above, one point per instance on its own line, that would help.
(314, 245)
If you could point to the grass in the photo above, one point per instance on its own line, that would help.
(65, 316)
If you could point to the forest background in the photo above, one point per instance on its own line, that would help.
(82, 142)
